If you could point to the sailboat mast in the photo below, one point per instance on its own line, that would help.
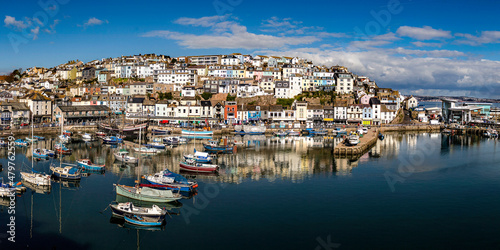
(32, 156)
(60, 207)
(139, 158)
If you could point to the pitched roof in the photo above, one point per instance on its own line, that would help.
(79, 108)
(36, 96)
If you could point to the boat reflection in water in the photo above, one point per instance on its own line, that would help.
(68, 184)
(45, 189)
(120, 222)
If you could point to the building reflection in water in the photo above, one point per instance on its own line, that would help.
(259, 157)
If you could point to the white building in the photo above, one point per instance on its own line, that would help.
(345, 83)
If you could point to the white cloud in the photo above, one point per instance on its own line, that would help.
(431, 53)
(35, 32)
(227, 35)
(92, 22)
(424, 44)
(485, 37)
(424, 33)
(11, 21)
(287, 26)
(367, 44)
(52, 27)
(410, 73)
(207, 21)
(334, 35)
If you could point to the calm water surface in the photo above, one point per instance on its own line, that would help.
(412, 191)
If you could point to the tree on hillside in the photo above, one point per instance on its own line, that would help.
(206, 95)
(230, 98)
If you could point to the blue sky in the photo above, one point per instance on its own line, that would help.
(420, 47)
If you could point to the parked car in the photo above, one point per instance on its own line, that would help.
(24, 124)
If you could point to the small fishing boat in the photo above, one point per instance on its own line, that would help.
(280, 133)
(88, 165)
(143, 221)
(254, 129)
(3, 143)
(145, 150)
(147, 194)
(40, 138)
(173, 141)
(339, 132)
(62, 149)
(213, 146)
(293, 133)
(200, 157)
(170, 180)
(197, 132)
(183, 140)
(49, 152)
(65, 138)
(69, 173)
(112, 140)
(100, 134)
(160, 132)
(380, 136)
(353, 139)
(68, 133)
(39, 153)
(320, 132)
(191, 165)
(21, 142)
(156, 145)
(87, 137)
(124, 156)
(31, 139)
(6, 190)
(128, 208)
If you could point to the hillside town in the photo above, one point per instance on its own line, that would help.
(213, 89)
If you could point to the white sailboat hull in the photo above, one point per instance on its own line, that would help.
(36, 179)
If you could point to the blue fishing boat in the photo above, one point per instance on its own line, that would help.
(62, 149)
(112, 140)
(156, 145)
(144, 221)
(201, 157)
(169, 180)
(21, 142)
(49, 152)
(5, 189)
(65, 138)
(318, 132)
(197, 132)
(40, 138)
(88, 165)
(380, 136)
(213, 146)
(69, 173)
(39, 153)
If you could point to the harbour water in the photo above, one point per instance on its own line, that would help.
(411, 191)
